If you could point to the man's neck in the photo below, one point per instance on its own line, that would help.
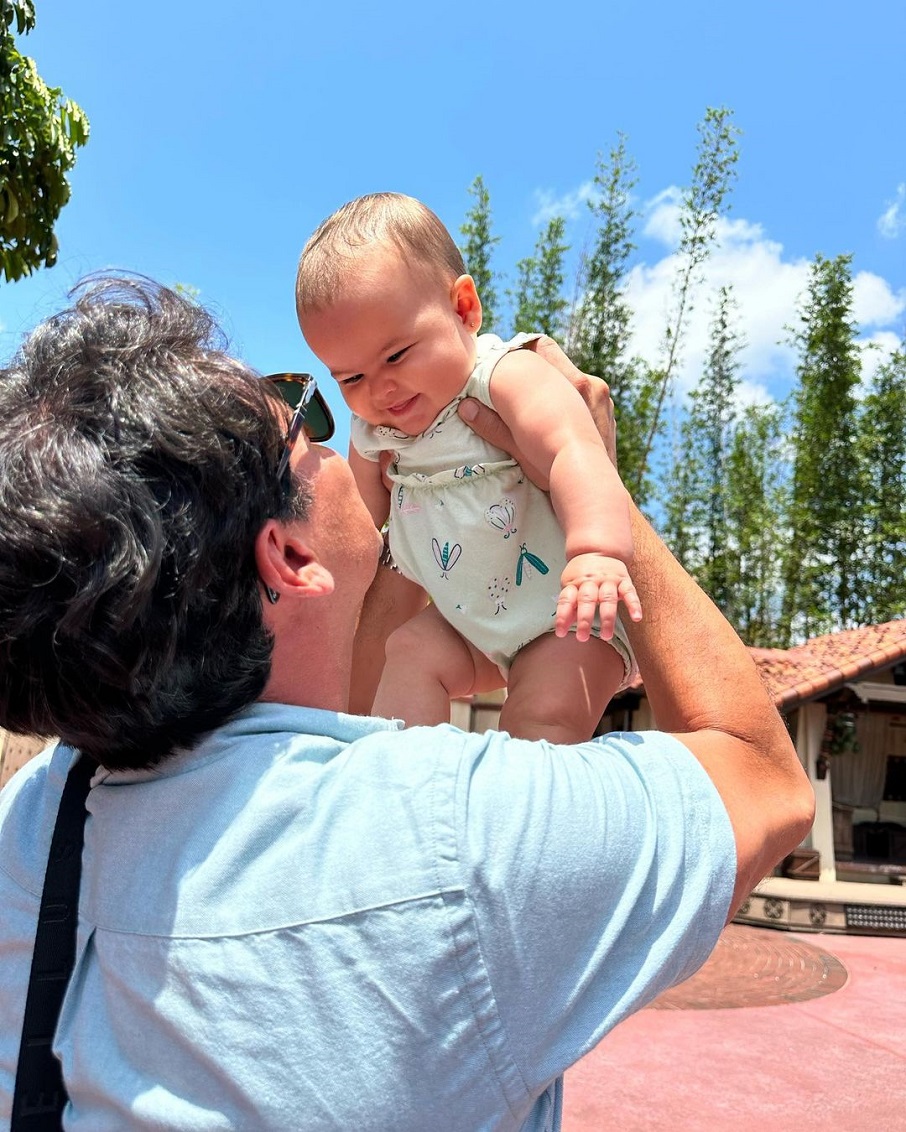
(308, 672)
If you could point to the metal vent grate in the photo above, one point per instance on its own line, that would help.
(875, 917)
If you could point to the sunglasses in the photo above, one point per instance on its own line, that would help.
(310, 411)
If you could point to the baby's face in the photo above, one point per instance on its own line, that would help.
(400, 344)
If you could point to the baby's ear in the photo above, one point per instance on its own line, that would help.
(466, 303)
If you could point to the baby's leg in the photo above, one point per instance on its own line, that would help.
(428, 664)
(559, 688)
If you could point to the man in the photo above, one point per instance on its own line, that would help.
(290, 917)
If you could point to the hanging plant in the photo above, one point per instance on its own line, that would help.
(840, 735)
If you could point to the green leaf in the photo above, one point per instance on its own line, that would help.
(41, 130)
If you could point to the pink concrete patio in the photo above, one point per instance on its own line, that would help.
(816, 1058)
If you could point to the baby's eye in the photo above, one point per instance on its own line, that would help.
(354, 380)
(399, 353)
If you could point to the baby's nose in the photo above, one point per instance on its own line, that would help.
(388, 388)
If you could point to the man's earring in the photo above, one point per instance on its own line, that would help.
(272, 596)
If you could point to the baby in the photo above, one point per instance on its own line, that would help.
(385, 302)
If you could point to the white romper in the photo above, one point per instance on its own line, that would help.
(469, 526)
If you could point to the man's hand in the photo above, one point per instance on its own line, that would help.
(593, 390)
(594, 583)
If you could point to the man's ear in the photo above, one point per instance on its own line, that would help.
(466, 303)
(288, 566)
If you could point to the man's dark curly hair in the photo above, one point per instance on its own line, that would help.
(138, 462)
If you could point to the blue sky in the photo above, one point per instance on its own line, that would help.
(220, 138)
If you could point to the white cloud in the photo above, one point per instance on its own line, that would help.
(876, 349)
(892, 221)
(569, 205)
(874, 304)
(663, 219)
(752, 393)
(767, 287)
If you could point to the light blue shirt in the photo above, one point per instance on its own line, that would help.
(318, 921)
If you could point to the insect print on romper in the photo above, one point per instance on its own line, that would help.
(386, 430)
(497, 591)
(527, 564)
(446, 557)
(502, 516)
(405, 505)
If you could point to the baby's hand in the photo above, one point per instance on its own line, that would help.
(593, 582)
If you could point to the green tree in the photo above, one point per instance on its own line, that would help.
(40, 131)
(478, 249)
(823, 589)
(188, 291)
(598, 337)
(702, 205)
(882, 448)
(600, 320)
(755, 492)
(538, 300)
(696, 510)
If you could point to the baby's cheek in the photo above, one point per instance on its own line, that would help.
(350, 398)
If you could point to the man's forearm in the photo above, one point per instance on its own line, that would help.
(703, 687)
(697, 672)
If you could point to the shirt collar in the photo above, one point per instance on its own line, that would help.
(256, 722)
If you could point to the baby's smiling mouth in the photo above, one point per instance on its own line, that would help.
(401, 406)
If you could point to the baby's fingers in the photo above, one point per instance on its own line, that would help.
(607, 609)
(590, 594)
(630, 599)
(566, 610)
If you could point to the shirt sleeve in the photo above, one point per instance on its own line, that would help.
(599, 875)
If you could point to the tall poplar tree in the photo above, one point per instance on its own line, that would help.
(882, 447)
(756, 476)
(696, 509)
(600, 320)
(598, 336)
(539, 304)
(702, 205)
(823, 589)
(478, 249)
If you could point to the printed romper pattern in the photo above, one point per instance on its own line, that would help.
(469, 526)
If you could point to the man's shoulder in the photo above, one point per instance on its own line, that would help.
(31, 783)
(28, 810)
(441, 744)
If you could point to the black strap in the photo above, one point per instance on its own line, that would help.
(40, 1094)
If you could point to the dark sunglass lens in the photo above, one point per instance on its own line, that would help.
(290, 391)
(318, 426)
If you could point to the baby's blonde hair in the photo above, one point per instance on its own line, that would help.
(378, 218)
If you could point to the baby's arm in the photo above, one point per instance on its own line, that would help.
(548, 419)
(371, 486)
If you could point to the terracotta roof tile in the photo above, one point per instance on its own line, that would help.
(824, 663)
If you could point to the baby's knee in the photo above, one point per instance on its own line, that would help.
(536, 706)
(414, 644)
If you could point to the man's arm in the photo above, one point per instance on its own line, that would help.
(389, 603)
(700, 680)
(704, 688)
